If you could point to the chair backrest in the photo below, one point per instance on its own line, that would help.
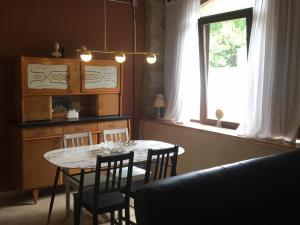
(107, 168)
(77, 139)
(116, 135)
(161, 163)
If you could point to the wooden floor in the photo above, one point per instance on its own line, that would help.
(19, 209)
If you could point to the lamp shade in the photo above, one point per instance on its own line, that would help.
(151, 58)
(120, 57)
(159, 101)
(86, 57)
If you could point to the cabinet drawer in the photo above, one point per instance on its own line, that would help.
(80, 128)
(42, 132)
(113, 125)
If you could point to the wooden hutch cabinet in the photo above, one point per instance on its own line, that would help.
(44, 85)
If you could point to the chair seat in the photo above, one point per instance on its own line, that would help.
(137, 173)
(89, 180)
(107, 201)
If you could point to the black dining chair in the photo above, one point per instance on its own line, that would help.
(110, 196)
(160, 164)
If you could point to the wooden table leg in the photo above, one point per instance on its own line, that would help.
(78, 207)
(53, 194)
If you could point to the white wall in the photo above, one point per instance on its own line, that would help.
(204, 149)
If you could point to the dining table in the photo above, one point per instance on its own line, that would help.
(84, 158)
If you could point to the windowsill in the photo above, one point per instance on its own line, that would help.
(231, 133)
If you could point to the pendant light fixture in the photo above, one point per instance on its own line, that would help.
(86, 54)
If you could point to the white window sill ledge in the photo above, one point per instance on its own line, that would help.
(231, 133)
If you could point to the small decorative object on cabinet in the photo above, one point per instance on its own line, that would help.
(72, 114)
(56, 53)
(159, 102)
(219, 115)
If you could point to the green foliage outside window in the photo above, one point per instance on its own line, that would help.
(226, 38)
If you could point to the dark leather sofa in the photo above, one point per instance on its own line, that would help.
(258, 191)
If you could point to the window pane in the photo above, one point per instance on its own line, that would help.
(227, 68)
(213, 7)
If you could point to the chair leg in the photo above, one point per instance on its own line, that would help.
(127, 216)
(95, 219)
(120, 216)
(75, 213)
(112, 218)
(67, 190)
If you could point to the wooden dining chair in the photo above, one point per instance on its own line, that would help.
(116, 135)
(78, 139)
(113, 195)
(75, 140)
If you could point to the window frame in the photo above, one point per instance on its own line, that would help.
(204, 57)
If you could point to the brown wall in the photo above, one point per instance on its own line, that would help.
(30, 28)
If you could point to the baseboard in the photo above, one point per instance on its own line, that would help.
(7, 194)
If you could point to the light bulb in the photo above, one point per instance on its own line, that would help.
(151, 58)
(85, 55)
(120, 57)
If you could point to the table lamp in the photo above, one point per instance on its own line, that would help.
(159, 102)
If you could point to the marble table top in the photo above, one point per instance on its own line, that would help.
(84, 157)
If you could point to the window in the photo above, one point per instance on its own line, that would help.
(223, 43)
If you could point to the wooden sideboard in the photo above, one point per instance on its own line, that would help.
(97, 88)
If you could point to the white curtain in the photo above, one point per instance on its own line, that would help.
(181, 69)
(272, 109)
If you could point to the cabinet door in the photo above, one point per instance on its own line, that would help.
(37, 108)
(37, 171)
(108, 104)
(100, 76)
(47, 75)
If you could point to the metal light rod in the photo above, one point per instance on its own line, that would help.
(114, 52)
(120, 56)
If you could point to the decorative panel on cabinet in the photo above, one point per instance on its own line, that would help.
(48, 76)
(41, 76)
(100, 76)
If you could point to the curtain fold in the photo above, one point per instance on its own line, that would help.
(272, 108)
(181, 69)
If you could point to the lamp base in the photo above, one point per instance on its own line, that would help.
(158, 113)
